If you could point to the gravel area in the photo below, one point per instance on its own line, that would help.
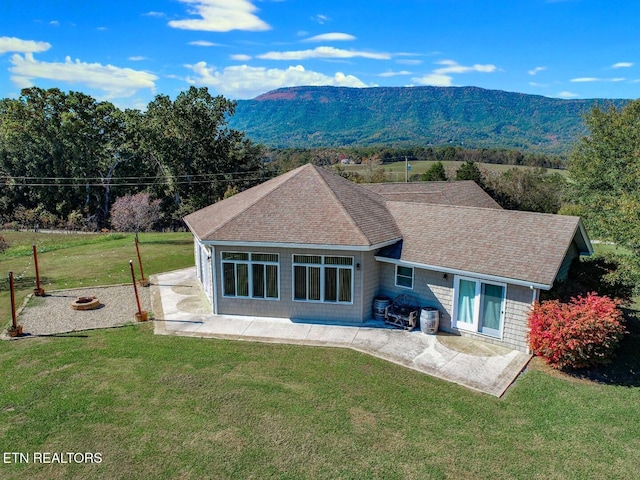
(53, 313)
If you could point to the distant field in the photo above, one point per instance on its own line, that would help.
(396, 171)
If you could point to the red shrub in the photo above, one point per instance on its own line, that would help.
(582, 333)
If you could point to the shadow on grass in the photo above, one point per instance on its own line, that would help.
(22, 282)
(177, 241)
(625, 368)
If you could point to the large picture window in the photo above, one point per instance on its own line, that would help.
(318, 278)
(250, 275)
(478, 306)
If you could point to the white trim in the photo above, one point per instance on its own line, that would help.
(302, 246)
(250, 262)
(413, 277)
(475, 327)
(455, 271)
(214, 279)
(322, 267)
(585, 237)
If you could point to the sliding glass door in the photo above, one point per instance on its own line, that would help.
(478, 306)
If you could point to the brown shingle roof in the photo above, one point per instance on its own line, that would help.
(524, 246)
(308, 205)
(464, 193)
(312, 206)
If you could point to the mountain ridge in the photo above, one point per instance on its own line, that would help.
(308, 117)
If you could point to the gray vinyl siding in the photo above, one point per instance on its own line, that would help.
(572, 253)
(433, 290)
(429, 287)
(370, 283)
(286, 307)
(371, 279)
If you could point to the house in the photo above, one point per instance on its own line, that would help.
(310, 245)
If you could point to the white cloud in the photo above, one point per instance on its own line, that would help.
(595, 79)
(452, 66)
(154, 14)
(241, 57)
(221, 16)
(434, 79)
(137, 58)
(204, 43)
(622, 65)
(114, 81)
(54, 23)
(536, 84)
(321, 19)
(394, 74)
(331, 37)
(441, 77)
(409, 61)
(536, 70)
(565, 94)
(13, 44)
(244, 81)
(323, 52)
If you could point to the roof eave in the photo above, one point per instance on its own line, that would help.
(456, 271)
(302, 246)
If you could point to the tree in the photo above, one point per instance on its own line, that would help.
(435, 173)
(194, 151)
(529, 189)
(604, 169)
(55, 147)
(470, 171)
(135, 213)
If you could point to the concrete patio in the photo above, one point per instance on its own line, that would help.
(180, 307)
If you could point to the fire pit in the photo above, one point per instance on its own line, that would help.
(85, 303)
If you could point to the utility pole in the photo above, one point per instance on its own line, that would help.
(406, 169)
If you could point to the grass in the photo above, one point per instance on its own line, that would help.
(177, 407)
(80, 260)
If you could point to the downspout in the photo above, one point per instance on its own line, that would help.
(214, 281)
(534, 298)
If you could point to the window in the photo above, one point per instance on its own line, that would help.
(478, 306)
(250, 275)
(318, 278)
(404, 277)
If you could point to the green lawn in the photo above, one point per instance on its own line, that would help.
(80, 260)
(176, 407)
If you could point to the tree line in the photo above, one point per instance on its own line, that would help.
(65, 157)
(288, 158)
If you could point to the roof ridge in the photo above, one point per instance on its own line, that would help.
(469, 207)
(279, 184)
(320, 171)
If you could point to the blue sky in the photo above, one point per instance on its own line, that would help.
(129, 51)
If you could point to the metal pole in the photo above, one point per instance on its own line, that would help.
(143, 281)
(39, 291)
(13, 301)
(135, 289)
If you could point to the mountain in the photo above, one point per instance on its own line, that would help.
(407, 116)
